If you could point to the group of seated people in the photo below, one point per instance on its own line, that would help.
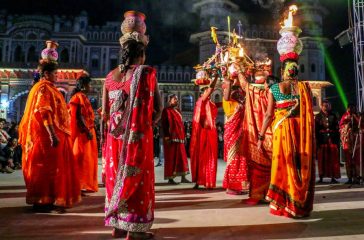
(10, 150)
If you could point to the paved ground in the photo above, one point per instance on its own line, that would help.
(183, 213)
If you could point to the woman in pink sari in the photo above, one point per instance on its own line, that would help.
(134, 104)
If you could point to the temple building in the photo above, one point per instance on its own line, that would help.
(96, 49)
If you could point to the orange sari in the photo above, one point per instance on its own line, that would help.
(291, 189)
(85, 150)
(50, 173)
(259, 163)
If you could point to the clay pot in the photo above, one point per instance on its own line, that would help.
(50, 52)
(133, 21)
(289, 42)
(51, 44)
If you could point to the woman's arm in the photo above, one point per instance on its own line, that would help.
(211, 88)
(227, 90)
(104, 113)
(158, 106)
(268, 118)
(82, 123)
(242, 80)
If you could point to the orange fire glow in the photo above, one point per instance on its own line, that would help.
(288, 22)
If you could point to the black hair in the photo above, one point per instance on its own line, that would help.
(80, 83)
(129, 52)
(325, 101)
(170, 96)
(44, 66)
(351, 105)
(272, 80)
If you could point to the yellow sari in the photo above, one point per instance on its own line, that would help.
(292, 182)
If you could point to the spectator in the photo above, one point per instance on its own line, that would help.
(4, 136)
(5, 164)
(12, 153)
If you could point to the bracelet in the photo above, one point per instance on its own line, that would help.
(260, 137)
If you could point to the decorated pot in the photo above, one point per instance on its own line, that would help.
(50, 53)
(289, 42)
(133, 21)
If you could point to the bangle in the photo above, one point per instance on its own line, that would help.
(260, 137)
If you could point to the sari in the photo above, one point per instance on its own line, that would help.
(203, 146)
(84, 150)
(291, 189)
(259, 162)
(50, 173)
(236, 172)
(131, 206)
(175, 157)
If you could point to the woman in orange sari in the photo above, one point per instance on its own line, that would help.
(49, 168)
(291, 189)
(83, 134)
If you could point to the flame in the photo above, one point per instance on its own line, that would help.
(288, 22)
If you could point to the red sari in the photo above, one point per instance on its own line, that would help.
(327, 139)
(175, 157)
(203, 146)
(113, 144)
(131, 206)
(50, 173)
(236, 172)
(85, 150)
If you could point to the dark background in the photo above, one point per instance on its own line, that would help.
(171, 22)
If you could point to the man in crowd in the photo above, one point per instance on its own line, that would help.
(327, 135)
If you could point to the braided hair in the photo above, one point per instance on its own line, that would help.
(81, 82)
(129, 52)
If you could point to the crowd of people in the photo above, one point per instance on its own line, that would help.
(10, 150)
(267, 140)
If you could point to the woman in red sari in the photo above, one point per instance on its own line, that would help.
(203, 146)
(83, 134)
(49, 167)
(236, 172)
(135, 106)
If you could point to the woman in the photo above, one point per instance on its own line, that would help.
(44, 133)
(292, 182)
(236, 173)
(131, 94)
(203, 146)
(83, 134)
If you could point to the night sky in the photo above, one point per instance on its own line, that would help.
(170, 23)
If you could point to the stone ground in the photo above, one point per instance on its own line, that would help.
(183, 213)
